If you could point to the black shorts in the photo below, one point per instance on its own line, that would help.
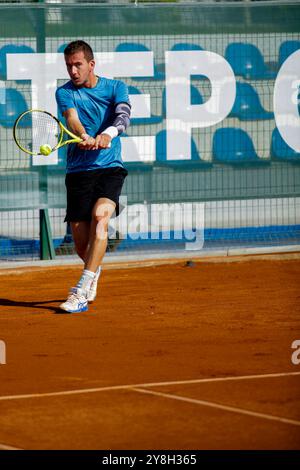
(84, 188)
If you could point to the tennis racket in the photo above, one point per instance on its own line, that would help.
(35, 129)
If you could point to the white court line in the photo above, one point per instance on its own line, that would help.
(5, 447)
(145, 385)
(211, 404)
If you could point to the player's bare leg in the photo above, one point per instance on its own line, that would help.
(91, 242)
(77, 298)
(102, 212)
(81, 236)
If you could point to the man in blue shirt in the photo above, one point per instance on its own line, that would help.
(98, 110)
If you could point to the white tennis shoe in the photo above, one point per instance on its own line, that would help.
(76, 302)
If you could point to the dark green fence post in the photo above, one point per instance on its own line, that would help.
(46, 242)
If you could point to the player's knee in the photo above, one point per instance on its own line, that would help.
(101, 215)
(103, 210)
(101, 227)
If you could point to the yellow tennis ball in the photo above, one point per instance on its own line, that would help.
(45, 149)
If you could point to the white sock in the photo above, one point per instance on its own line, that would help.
(86, 280)
(97, 274)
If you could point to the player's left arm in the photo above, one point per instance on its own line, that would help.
(119, 125)
(121, 119)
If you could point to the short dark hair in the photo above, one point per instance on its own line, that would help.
(77, 46)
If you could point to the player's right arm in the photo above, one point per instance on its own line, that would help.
(68, 110)
(75, 126)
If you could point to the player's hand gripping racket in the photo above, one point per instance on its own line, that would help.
(40, 133)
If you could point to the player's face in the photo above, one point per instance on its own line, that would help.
(79, 69)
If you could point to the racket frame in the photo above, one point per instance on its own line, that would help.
(63, 130)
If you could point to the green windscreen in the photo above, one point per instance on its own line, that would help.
(236, 181)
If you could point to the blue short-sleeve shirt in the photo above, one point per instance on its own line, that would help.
(96, 111)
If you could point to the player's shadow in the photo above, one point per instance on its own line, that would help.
(38, 305)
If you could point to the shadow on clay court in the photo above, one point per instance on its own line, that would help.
(38, 305)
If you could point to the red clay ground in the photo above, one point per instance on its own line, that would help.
(167, 323)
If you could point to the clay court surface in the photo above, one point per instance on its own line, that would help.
(168, 357)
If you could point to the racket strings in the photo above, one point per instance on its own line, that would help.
(35, 129)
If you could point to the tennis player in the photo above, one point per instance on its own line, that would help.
(98, 110)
